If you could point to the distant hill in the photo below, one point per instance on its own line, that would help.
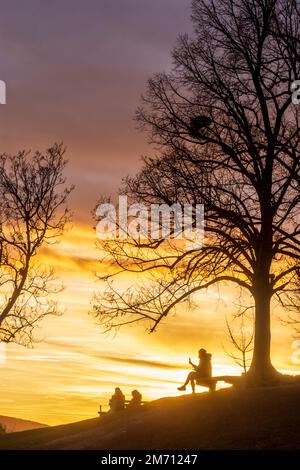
(228, 419)
(17, 425)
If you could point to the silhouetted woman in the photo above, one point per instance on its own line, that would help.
(136, 399)
(201, 372)
(117, 401)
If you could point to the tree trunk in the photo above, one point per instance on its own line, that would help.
(262, 371)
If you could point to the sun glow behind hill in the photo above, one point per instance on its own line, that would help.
(74, 367)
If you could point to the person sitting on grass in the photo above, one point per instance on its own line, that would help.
(117, 401)
(202, 372)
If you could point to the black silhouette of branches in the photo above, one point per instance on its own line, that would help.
(33, 213)
(228, 137)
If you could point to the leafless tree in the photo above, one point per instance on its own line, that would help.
(228, 135)
(32, 213)
(241, 338)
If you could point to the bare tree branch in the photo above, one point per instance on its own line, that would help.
(32, 213)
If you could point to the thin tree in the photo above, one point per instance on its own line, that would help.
(228, 135)
(33, 213)
(242, 341)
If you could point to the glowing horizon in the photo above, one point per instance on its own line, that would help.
(78, 79)
(74, 367)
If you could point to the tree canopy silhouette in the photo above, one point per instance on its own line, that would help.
(228, 135)
(32, 213)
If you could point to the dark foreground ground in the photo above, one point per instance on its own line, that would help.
(246, 419)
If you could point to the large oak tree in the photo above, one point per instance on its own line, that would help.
(228, 137)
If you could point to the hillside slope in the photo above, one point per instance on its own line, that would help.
(17, 425)
(249, 419)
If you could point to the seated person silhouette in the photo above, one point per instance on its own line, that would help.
(136, 399)
(117, 401)
(202, 373)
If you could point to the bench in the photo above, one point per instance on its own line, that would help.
(101, 413)
(211, 382)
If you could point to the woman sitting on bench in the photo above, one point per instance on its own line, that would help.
(202, 374)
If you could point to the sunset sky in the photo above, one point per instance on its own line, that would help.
(74, 72)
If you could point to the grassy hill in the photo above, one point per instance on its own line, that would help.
(17, 425)
(229, 419)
